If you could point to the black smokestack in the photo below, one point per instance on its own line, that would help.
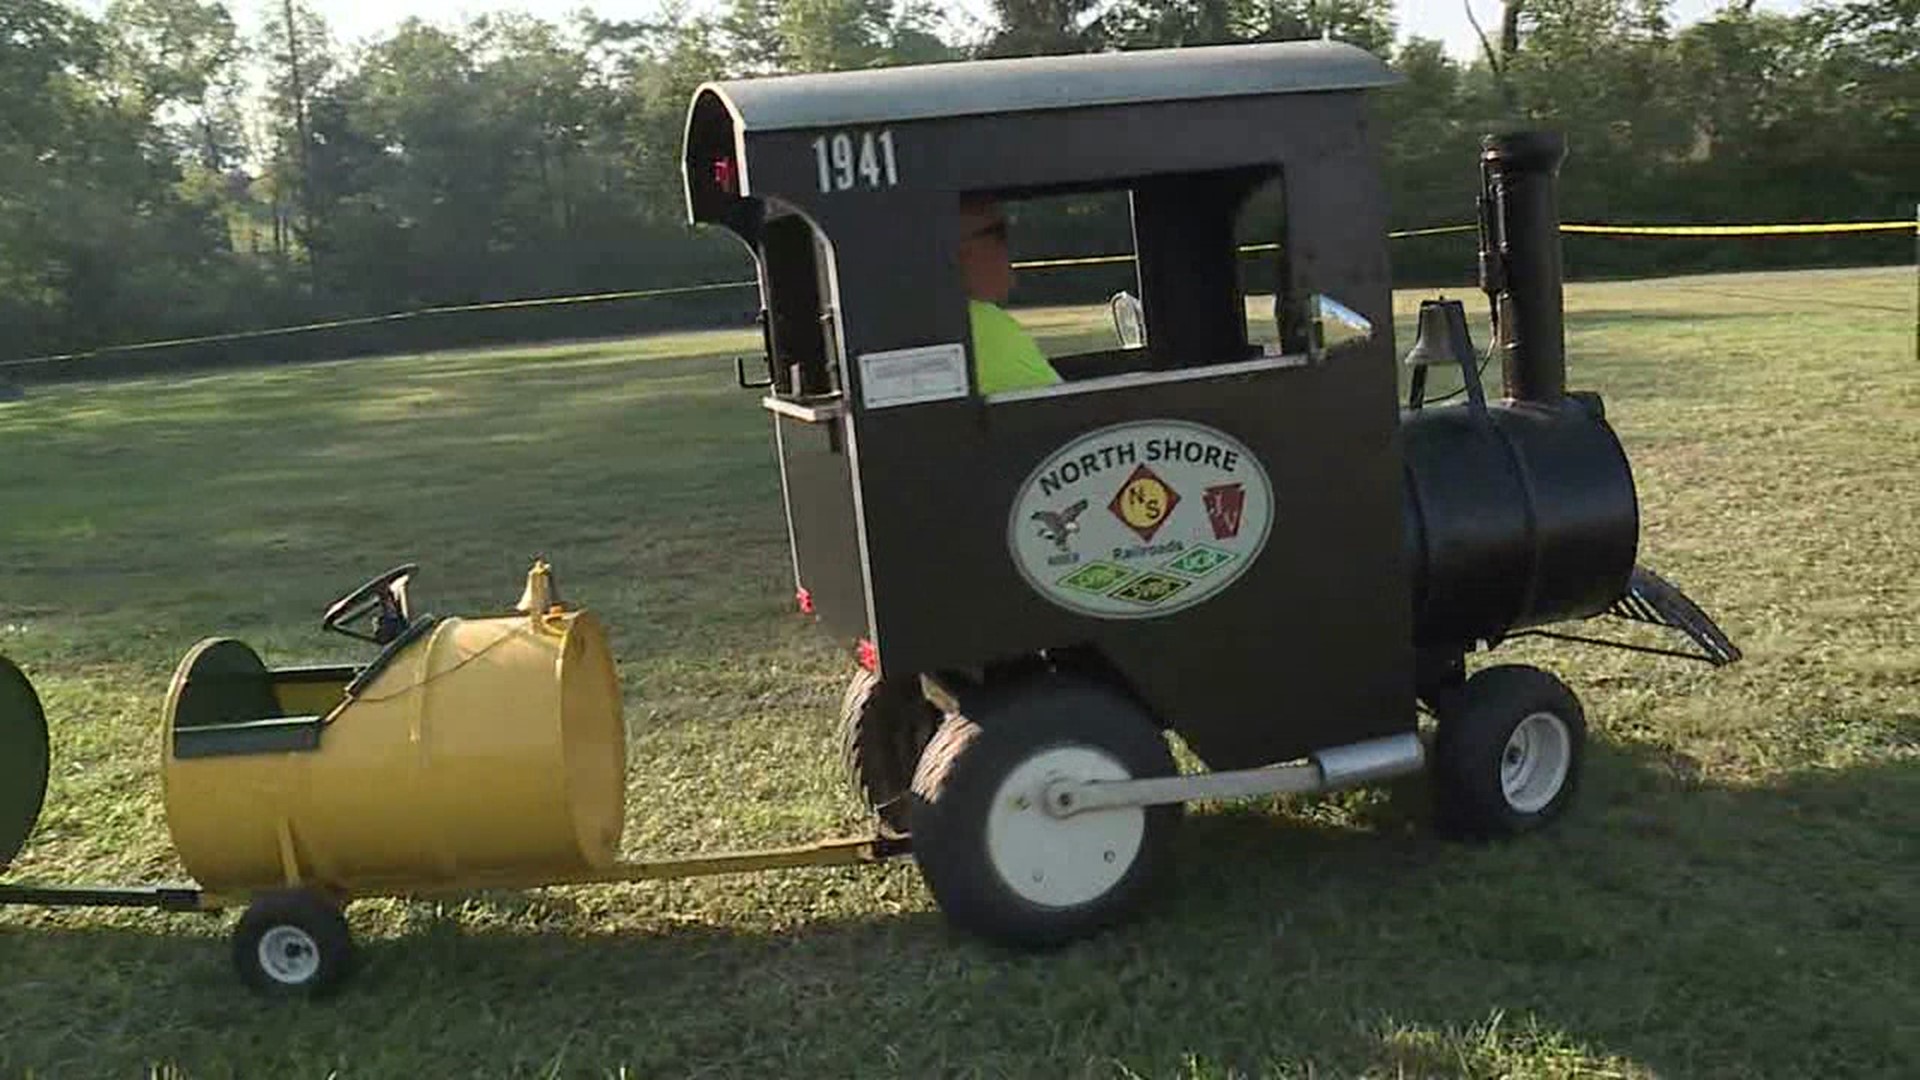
(1519, 171)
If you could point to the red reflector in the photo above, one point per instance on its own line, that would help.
(869, 655)
(805, 599)
(723, 175)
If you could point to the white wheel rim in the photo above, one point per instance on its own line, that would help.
(289, 955)
(1061, 862)
(1533, 767)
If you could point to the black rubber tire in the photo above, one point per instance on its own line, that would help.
(965, 765)
(24, 760)
(324, 927)
(1475, 724)
(884, 727)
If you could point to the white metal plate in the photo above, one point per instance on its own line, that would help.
(912, 376)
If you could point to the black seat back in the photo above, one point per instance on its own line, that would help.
(227, 683)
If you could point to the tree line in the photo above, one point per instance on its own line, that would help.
(166, 172)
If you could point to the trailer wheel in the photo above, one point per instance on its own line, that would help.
(997, 862)
(1508, 753)
(293, 944)
(884, 726)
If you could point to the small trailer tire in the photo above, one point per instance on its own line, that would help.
(293, 944)
(884, 727)
(998, 864)
(1507, 754)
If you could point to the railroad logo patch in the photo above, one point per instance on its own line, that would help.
(1226, 504)
(1140, 520)
(1060, 525)
(1144, 503)
(1200, 562)
(1150, 589)
(1096, 578)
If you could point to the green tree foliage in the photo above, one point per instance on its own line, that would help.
(1046, 28)
(98, 237)
(145, 194)
(1168, 23)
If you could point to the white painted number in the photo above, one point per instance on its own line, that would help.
(842, 161)
(841, 165)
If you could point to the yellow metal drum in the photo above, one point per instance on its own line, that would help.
(478, 750)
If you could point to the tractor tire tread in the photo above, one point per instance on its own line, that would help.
(871, 754)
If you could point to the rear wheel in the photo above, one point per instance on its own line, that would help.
(293, 944)
(1508, 752)
(884, 726)
(999, 864)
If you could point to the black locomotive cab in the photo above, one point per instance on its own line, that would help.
(1166, 508)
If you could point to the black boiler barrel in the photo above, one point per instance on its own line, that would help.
(1523, 518)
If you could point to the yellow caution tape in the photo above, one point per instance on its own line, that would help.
(1248, 249)
(1435, 231)
(1741, 230)
(1602, 230)
(1032, 264)
(1054, 264)
(397, 316)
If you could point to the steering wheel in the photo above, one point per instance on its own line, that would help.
(388, 594)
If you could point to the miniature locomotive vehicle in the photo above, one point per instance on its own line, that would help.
(1251, 543)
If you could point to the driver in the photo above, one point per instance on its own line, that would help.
(1005, 357)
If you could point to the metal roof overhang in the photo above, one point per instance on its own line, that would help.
(988, 87)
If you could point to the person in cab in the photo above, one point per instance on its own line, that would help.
(1005, 356)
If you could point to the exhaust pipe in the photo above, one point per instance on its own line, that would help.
(1520, 264)
(1327, 770)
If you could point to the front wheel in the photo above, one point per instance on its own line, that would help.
(1508, 752)
(293, 944)
(997, 862)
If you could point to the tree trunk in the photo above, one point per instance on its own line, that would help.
(1510, 29)
(300, 132)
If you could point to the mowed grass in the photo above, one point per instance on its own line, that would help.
(1736, 894)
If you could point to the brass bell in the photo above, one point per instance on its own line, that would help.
(1433, 341)
(1442, 340)
(542, 594)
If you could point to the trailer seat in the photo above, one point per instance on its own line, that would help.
(227, 706)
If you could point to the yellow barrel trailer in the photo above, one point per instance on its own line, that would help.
(292, 791)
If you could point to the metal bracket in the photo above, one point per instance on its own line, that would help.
(740, 374)
(164, 898)
(823, 413)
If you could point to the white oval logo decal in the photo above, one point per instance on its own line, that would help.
(1141, 519)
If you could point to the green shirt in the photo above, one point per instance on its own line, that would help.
(1004, 357)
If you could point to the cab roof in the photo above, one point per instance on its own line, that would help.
(1032, 84)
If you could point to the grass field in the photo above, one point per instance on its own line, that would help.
(1736, 895)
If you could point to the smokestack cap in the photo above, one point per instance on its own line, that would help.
(1526, 151)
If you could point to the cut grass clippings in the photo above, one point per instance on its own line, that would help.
(1736, 893)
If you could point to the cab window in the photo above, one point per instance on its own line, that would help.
(1163, 273)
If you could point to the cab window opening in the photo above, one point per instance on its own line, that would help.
(801, 356)
(1260, 235)
(1172, 244)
